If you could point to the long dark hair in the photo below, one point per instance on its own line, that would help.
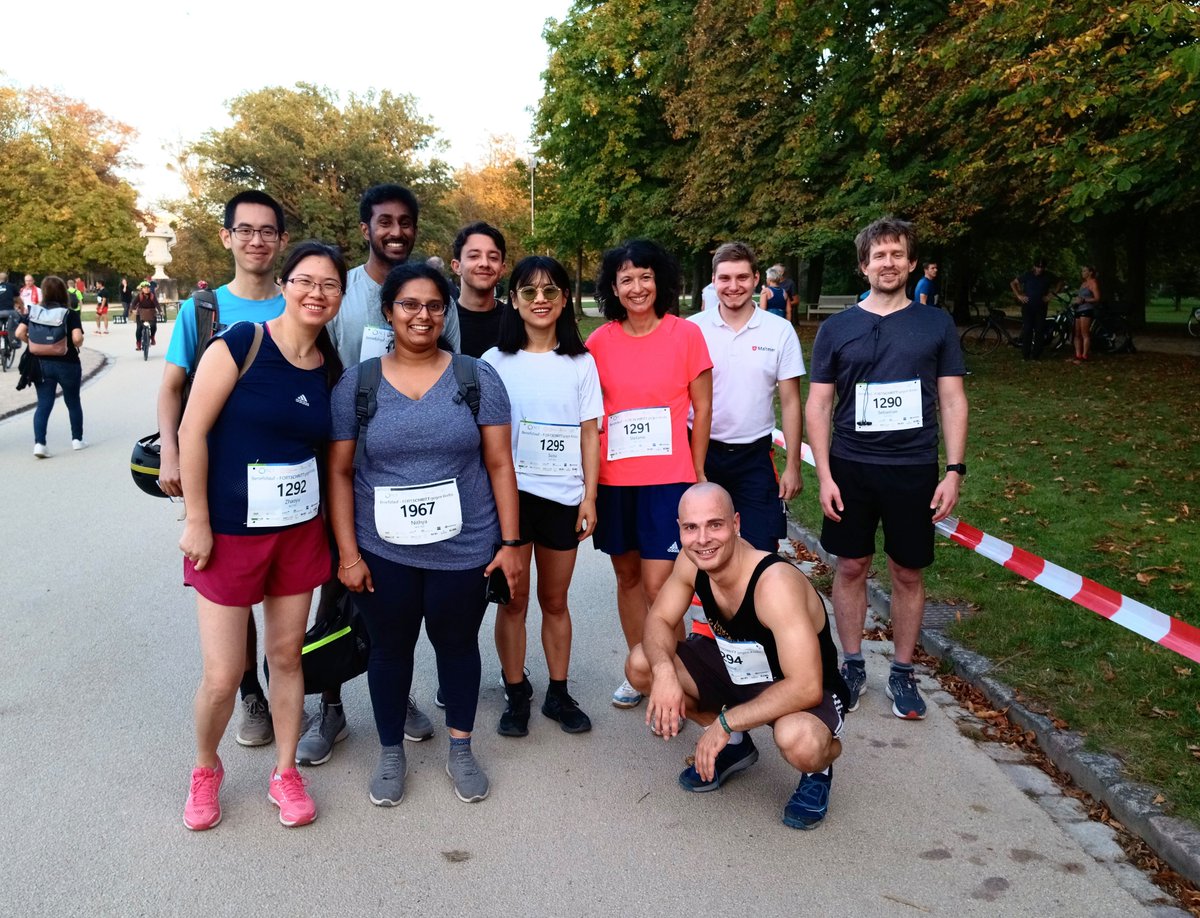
(641, 253)
(302, 250)
(513, 336)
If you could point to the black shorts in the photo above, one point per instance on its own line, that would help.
(747, 472)
(548, 523)
(900, 495)
(702, 659)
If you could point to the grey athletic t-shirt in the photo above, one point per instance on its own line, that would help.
(858, 346)
(419, 442)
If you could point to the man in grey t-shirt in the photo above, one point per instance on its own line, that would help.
(388, 221)
(892, 367)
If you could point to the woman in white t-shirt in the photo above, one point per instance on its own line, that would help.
(556, 402)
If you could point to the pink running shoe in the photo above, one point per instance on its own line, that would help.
(287, 792)
(203, 808)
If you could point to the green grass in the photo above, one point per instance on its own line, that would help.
(1094, 468)
(1161, 311)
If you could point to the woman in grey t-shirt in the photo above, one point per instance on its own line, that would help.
(418, 521)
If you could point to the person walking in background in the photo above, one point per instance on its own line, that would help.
(788, 286)
(1033, 289)
(31, 294)
(773, 298)
(126, 298)
(55, 334)
(554, 393)
(101, 309)
(1085, 313)
(928, 291)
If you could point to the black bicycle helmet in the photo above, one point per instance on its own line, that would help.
(144, 465)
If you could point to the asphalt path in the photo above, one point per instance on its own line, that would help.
(101, 663)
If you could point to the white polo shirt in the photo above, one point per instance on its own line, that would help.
(747, 365)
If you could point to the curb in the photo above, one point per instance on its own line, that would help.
(1176, 841)
(12, 412)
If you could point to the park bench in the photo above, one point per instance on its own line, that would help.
(828, 305)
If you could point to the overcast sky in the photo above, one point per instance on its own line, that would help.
(168, 68)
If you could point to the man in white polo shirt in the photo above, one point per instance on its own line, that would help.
(752, 352)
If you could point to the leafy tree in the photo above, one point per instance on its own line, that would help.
(66, 209)
(495, 190)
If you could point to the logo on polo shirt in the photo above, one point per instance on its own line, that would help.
(301, 400)
(762, 347)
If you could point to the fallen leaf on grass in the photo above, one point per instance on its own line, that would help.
(1106, 670)
(1159, 712)
(1194, 750)
(1183, 671)
(1159, 800)
(1144, 578)
(1180, 587)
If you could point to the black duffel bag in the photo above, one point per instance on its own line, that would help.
(335, 650)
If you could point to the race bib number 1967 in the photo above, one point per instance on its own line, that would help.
(418, 514)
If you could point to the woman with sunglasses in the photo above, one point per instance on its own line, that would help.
(418, 516)
(250, 445)
(654, 368)
(555, 395)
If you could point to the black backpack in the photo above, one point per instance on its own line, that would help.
(370, 372)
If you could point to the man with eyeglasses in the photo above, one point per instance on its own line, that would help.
(479, 253)
(254, 233)
(388, 220)
(754, 352)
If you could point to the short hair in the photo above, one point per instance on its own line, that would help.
(513, 335)
(435, 262)
(774, 274)
(381, 194)
(54, 290)
(253, 196)
(641, 253)
(734, 251)
(410, 271)
(479, 228)
(931, 263)
(309, 248)
(1039, 261)
(886, 229)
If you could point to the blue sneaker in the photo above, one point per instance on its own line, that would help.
(810, 802)
(907, 702)
(855, 675)
(730, 761)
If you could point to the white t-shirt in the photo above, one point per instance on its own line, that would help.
(549, 389)
(747, 365)
(360, 321)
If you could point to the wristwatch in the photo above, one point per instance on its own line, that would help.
(960, 467)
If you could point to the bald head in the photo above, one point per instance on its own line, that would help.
(706, 494)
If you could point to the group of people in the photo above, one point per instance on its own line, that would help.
(1034, 289)
(340, 435)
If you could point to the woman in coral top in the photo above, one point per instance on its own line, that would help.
(653, 367)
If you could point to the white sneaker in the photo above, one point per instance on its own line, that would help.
(78, 444)
(626, 696)
(39, 450)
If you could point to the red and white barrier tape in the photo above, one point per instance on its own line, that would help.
(1138, 617)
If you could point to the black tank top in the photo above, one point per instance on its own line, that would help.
(745, 626)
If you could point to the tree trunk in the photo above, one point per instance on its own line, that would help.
(579, 283)
(700, 261)
(1135, 293)
(812, 279)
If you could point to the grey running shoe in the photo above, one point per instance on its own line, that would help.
(855, 675)
(470, 783)
(417, 726)
(387, 784)
(255, 728)
(326, 727)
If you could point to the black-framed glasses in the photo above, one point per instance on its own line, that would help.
(412, 307)
(307, 285)
(245, 232)
(529, 293)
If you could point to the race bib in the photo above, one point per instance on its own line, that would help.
(639, 432)
(548, 449)
(418, 514)
(745, 661)
(377, 340)
(281, 495)
(887, 406)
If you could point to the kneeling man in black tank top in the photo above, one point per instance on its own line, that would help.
(770, 659)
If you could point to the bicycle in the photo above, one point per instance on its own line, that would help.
(145, 341)
(1194, 323)
(1110, 330)
(985, 336)
(8, 353)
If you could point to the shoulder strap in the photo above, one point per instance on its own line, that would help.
(253, 352)
(466, 374)
(207, 312)
(370, 372)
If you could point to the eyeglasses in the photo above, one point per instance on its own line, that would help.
(245, 232)
(529, 293)
(412, 307)
(307, 285)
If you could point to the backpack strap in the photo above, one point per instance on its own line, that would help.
(466, 374)
(370, 372)
(207, 318)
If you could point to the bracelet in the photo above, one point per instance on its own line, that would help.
(723, 722)
(511, 543)
(346, 567)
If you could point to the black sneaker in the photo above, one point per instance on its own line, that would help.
(515, 719)
(855, 675)
(562, 707)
